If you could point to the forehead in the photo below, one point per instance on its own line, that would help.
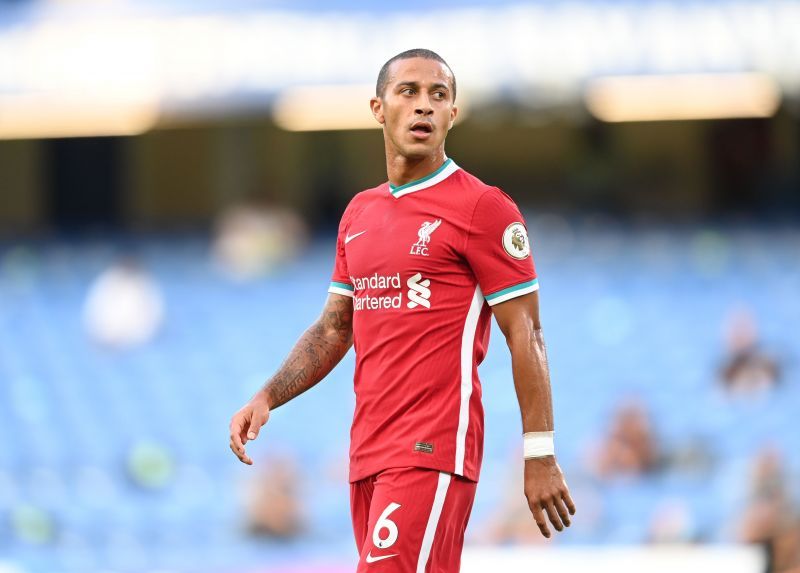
(420, 70)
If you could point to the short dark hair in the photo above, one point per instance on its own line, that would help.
(383, 75)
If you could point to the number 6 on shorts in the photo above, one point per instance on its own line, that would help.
(385, 523)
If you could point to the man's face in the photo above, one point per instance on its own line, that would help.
(416, 108)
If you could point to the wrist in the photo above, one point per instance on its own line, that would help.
(538, 445)
(544, 461)
(261, 399)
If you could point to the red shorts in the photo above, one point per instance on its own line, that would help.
(410, 520)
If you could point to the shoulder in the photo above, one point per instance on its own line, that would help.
(372, 193)
(480, 194)
(364, 198)
(469, 184)
(369, 195)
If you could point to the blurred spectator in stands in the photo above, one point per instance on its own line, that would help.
(514, 525)
(747, 368)
(252, 240)
(273, 500)
(629, 447)
(512, 522)
(124, 307)
(770, 518)
(672, 523)
(693, 455)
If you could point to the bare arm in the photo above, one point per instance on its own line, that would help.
(545, 487)
(315, 354)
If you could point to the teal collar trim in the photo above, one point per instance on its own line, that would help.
(446, 169)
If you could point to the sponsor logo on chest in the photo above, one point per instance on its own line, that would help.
(427, 228)
(387, 292)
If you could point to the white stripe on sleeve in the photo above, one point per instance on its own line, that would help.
(339, 290)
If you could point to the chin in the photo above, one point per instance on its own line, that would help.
(418, 150)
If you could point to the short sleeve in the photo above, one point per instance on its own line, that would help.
(498, 249)
(340, 280)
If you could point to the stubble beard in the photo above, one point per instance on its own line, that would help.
(411, 151)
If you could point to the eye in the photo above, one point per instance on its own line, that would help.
(407, 91)
(439, 95)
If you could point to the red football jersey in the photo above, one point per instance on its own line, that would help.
(423, 263)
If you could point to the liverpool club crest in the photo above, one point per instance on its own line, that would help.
(424, 237)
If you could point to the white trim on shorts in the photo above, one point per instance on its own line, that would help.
(433, 521)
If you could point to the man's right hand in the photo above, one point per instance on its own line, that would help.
(246, 424)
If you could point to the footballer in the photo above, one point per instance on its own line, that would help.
(422, 263)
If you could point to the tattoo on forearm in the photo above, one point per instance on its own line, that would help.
(319, 349)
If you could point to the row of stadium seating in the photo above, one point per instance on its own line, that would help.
(119, 459)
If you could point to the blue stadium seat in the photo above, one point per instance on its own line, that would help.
(70, 412)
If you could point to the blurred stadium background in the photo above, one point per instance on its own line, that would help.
(171, 176)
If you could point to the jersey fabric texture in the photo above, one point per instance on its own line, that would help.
(411, 520)
(424, 262)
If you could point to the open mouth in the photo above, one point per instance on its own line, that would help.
(421, 128)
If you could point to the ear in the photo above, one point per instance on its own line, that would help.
(453, 114)
(376, 105)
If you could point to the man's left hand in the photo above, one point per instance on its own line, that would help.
(547, 493)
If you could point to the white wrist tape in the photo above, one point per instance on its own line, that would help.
(538, 445)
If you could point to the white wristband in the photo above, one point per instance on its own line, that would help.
(538, 445)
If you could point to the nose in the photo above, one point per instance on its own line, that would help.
(423, 106)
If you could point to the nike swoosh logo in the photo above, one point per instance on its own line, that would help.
(371, 559)
(349, 238)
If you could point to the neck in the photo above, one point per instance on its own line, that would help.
(402, 170)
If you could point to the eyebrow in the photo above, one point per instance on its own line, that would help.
(413, 84)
